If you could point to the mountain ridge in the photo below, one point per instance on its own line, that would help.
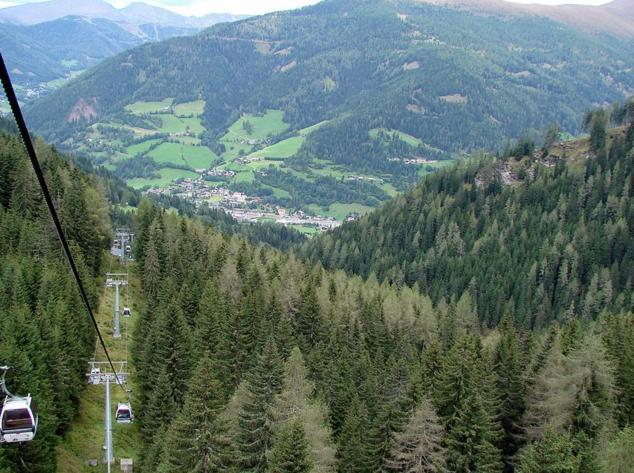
(520, 225)
(136, 13)
(616, 17)
(387, 89)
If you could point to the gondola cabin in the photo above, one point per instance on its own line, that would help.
(95, 376)
(127, 312)
(18, 420)
(124, 413)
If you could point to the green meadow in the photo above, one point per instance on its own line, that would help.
(141, 108)
(409, 139)
(168, 175)
(283, 149)
(196, 157)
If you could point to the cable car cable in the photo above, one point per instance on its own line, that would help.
(28, 143)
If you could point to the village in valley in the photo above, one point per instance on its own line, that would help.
(159, 148)
(242, 207)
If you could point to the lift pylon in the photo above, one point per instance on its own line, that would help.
(99, 374)
(117, 280)
(122, 245)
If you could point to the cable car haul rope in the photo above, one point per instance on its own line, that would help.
(17, 412)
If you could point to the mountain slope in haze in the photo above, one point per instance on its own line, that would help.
(32, 13)
(453, 80)
(616, 17)
(141, 13)
(51, 40)
(52, 50)
(544, 236)
(137, 13)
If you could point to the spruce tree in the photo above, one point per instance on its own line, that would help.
(196, 440)
(353, 453)
(471, 427)
(160, 407)
(255, 416)
(552, 454)
(290, 452)
(511, 388)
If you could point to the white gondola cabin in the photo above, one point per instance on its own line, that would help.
(124, 413)
(18, 420)
(127, 312)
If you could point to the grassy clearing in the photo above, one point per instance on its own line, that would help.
(284, 149)
(85, 438)
(423, 171)
(409, 139)
(236, 140)
(329, 170)
(139, 132)
(196, 157)
(389, 189)
(277, 192)
(308, 130)
(244, 176)
(193, 124)
(270, 124)
(340, 211)
(141, 108)
(171, 124)
(188, 140)
(309, 230)
(263, 164)
(234, 150)
(168, 175)
(189, 108)
(141, 148)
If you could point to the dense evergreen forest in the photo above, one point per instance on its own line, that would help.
(45, 335)
(252, 359)
(544, 235)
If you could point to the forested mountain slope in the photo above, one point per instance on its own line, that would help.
(543, 235)
(421, 69)
(249, 359)
(274, 365)
(45, 335)
(41, 53)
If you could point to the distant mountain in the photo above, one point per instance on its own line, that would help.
(32, 13)
(454, 79)
(343, 102)
(51, 40)
(137, 13)
(47, 51)
(616, 17)
(142, 13)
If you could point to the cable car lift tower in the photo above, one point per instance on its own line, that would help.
(117, 280)
(122, 246)
(97, 376)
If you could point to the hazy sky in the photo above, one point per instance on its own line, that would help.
(201, 7)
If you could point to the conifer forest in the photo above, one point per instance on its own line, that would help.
(507, 344)
(467, 306)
